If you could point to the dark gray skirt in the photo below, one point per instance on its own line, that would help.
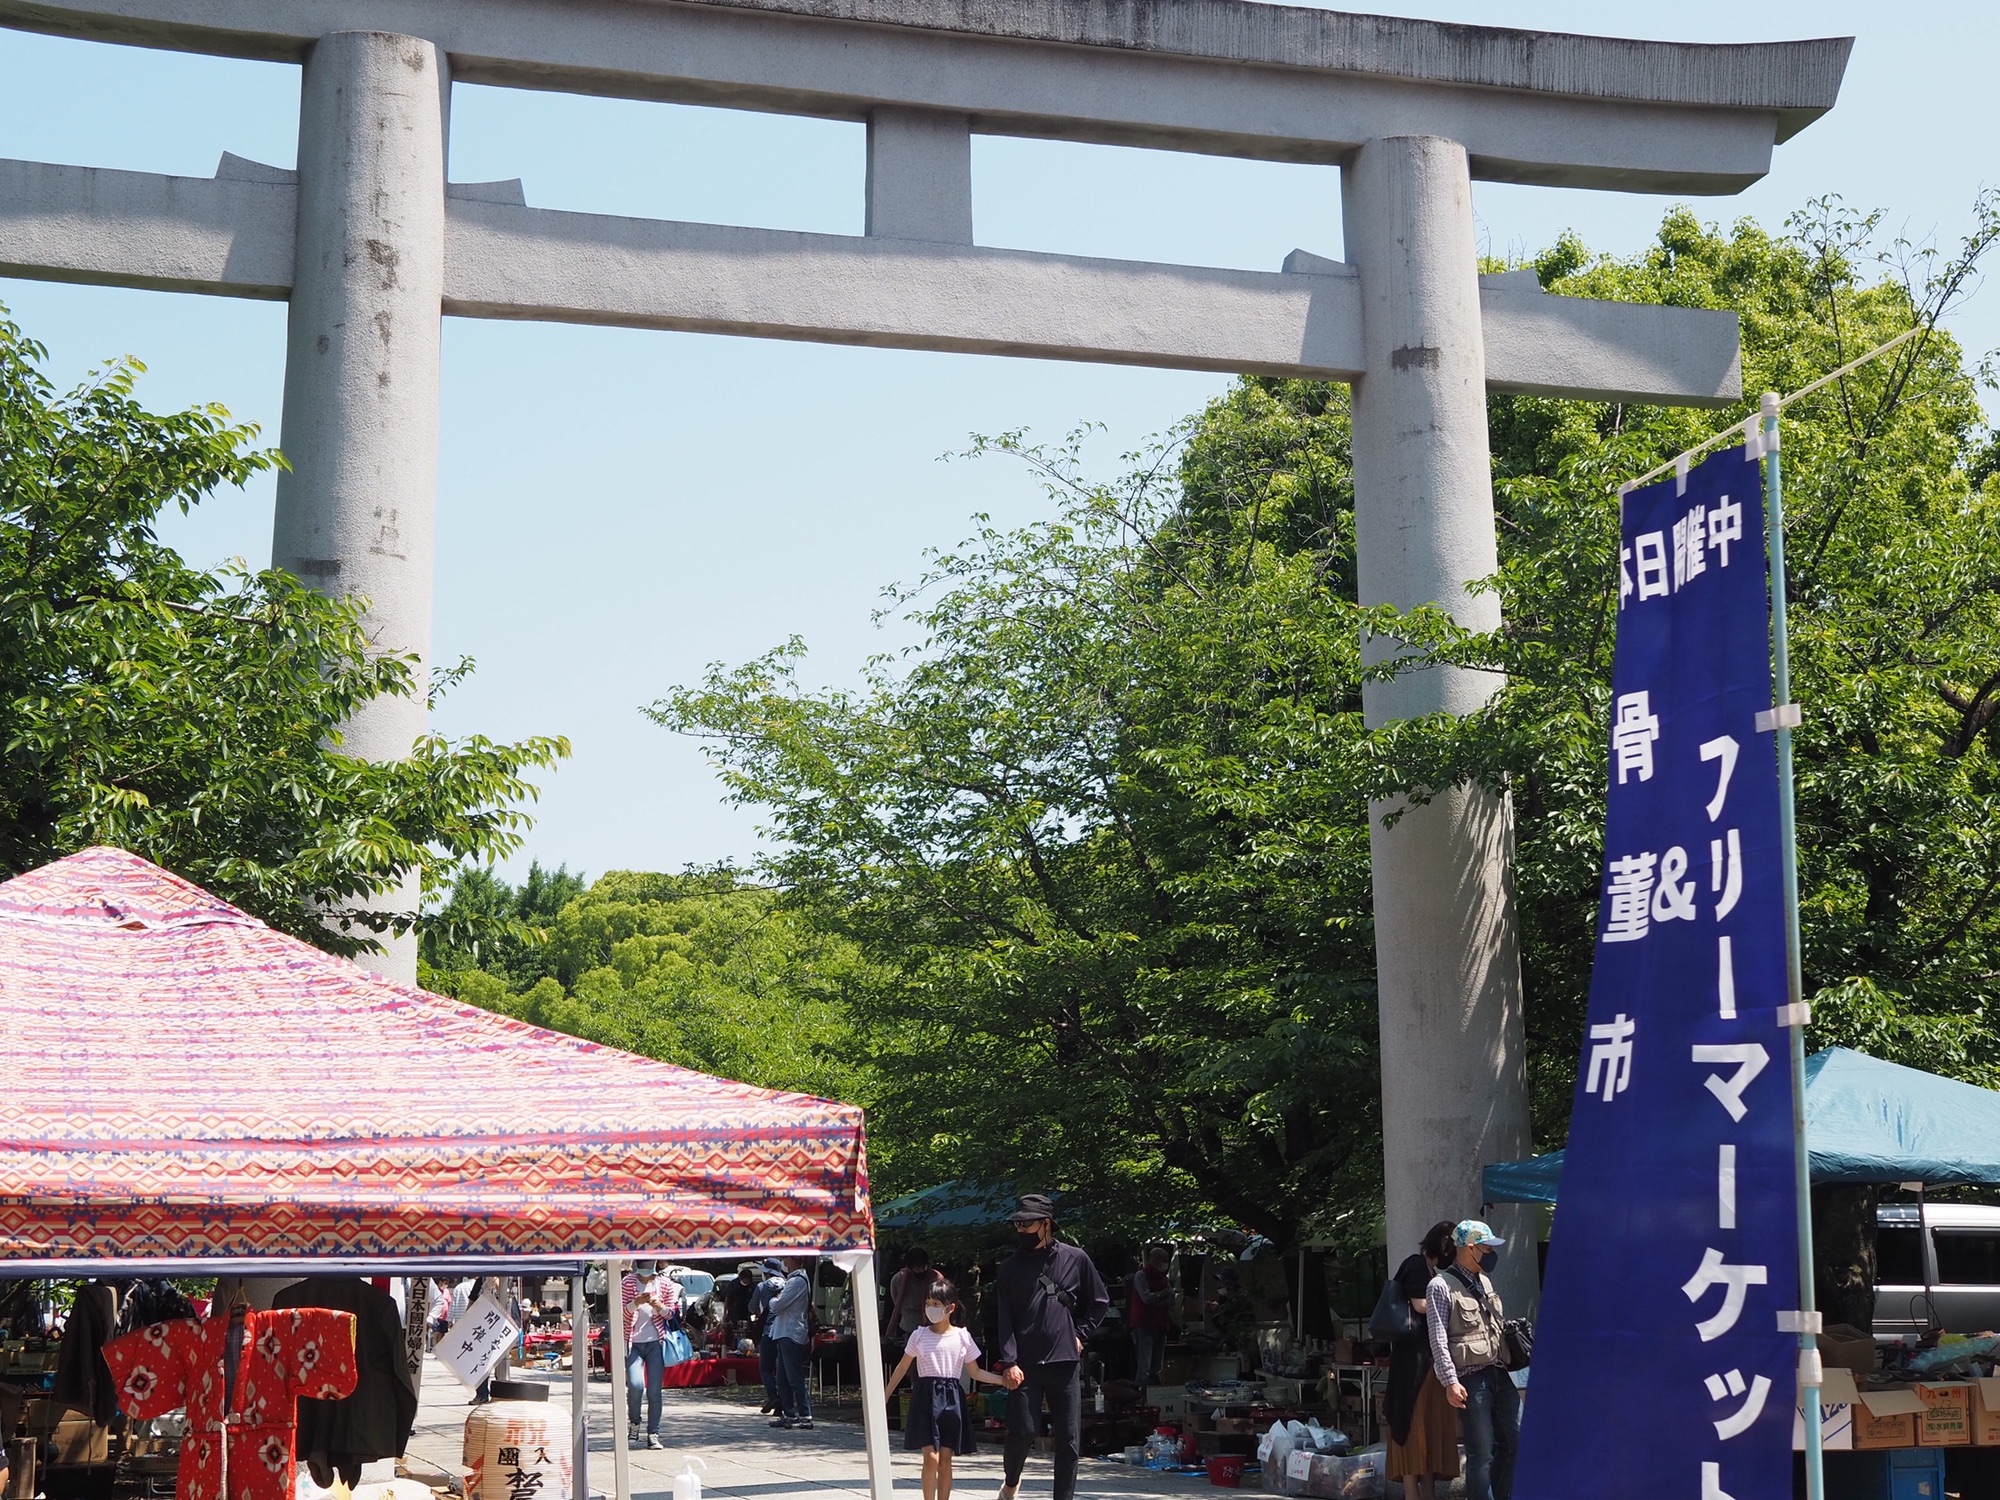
(940, 1416)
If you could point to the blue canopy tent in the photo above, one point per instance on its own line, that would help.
(1866, 1121)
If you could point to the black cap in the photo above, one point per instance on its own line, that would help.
(1032, 1206)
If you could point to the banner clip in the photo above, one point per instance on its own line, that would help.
(1812, 1373)
(1800, 1322)
(1795, 1015)
(1784, 716)
(1753, 438)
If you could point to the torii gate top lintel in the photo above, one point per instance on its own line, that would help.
(1223, 77)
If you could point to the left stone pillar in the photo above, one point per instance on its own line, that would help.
(360, 424)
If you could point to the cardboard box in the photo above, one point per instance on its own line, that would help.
(1843, 1346)
(1172, 1401)
(1837, 1398)
(1887, 1418)
(1836, 1427)
(1986, 1413)
(21, 1480)
(78, 1440)
(1946, 1420)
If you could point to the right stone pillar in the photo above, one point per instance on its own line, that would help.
(1448, 967)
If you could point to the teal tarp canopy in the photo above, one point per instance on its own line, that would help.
(951, 1205)
(1866, 1121)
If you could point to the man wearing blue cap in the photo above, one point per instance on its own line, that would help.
(1468, 1332)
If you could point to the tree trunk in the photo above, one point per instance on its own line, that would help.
(1843, 1226)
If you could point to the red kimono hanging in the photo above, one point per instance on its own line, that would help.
(306, 1351)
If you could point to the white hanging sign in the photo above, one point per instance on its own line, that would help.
(473, 1345)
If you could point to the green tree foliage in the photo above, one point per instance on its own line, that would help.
(1893, 543)
(194, 717)
(700, 970)
(501, 929)
(1102, 835)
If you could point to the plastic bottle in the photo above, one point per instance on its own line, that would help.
(687, 1483)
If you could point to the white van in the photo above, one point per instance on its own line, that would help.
(1961, 1266)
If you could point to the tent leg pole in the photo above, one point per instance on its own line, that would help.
(579, 1391)
(874, 1402)
(621, 1460)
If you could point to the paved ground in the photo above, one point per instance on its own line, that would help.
(747, 1459)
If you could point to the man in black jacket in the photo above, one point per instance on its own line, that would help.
(1051, 1300)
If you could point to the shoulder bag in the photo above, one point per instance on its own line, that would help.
(1391, 1318)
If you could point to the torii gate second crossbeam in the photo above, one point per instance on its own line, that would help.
(370, 245)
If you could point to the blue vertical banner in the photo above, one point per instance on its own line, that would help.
(1663, 1365)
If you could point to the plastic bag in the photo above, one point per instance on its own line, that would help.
(1273, 1448)
(1325, 1439)
(1952, 1350)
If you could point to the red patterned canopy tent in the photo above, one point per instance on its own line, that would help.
(184, 1087)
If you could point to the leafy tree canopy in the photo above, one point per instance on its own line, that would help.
(700, 970)
(194, 717)
(1102, 835)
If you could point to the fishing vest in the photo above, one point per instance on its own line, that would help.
(1475, 1334)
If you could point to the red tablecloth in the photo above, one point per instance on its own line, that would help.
(694, 1372)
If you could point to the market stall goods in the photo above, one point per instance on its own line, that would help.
(337, 1437)
(241, 1431)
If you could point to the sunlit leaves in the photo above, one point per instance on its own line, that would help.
(194, 717)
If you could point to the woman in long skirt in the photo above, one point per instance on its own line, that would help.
(1423, 1429)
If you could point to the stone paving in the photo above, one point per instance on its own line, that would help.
(748, 1459)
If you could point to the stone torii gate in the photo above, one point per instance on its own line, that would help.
(370, 244)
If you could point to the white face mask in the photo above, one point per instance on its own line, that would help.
(934, 1312)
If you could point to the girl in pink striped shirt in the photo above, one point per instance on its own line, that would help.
(940, 1422)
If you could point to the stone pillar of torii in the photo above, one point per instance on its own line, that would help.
(371, 244)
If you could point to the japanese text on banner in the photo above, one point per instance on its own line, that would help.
(1662, 1366)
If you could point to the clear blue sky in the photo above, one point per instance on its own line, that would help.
(618, 508)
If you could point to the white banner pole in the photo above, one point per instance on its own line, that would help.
(579, 1390)
(621, 1463)
(874, 1403)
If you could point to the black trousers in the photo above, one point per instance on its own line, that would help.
(1061, 1387)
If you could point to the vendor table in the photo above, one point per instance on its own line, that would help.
(1369, 1382)
(733, 1369)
